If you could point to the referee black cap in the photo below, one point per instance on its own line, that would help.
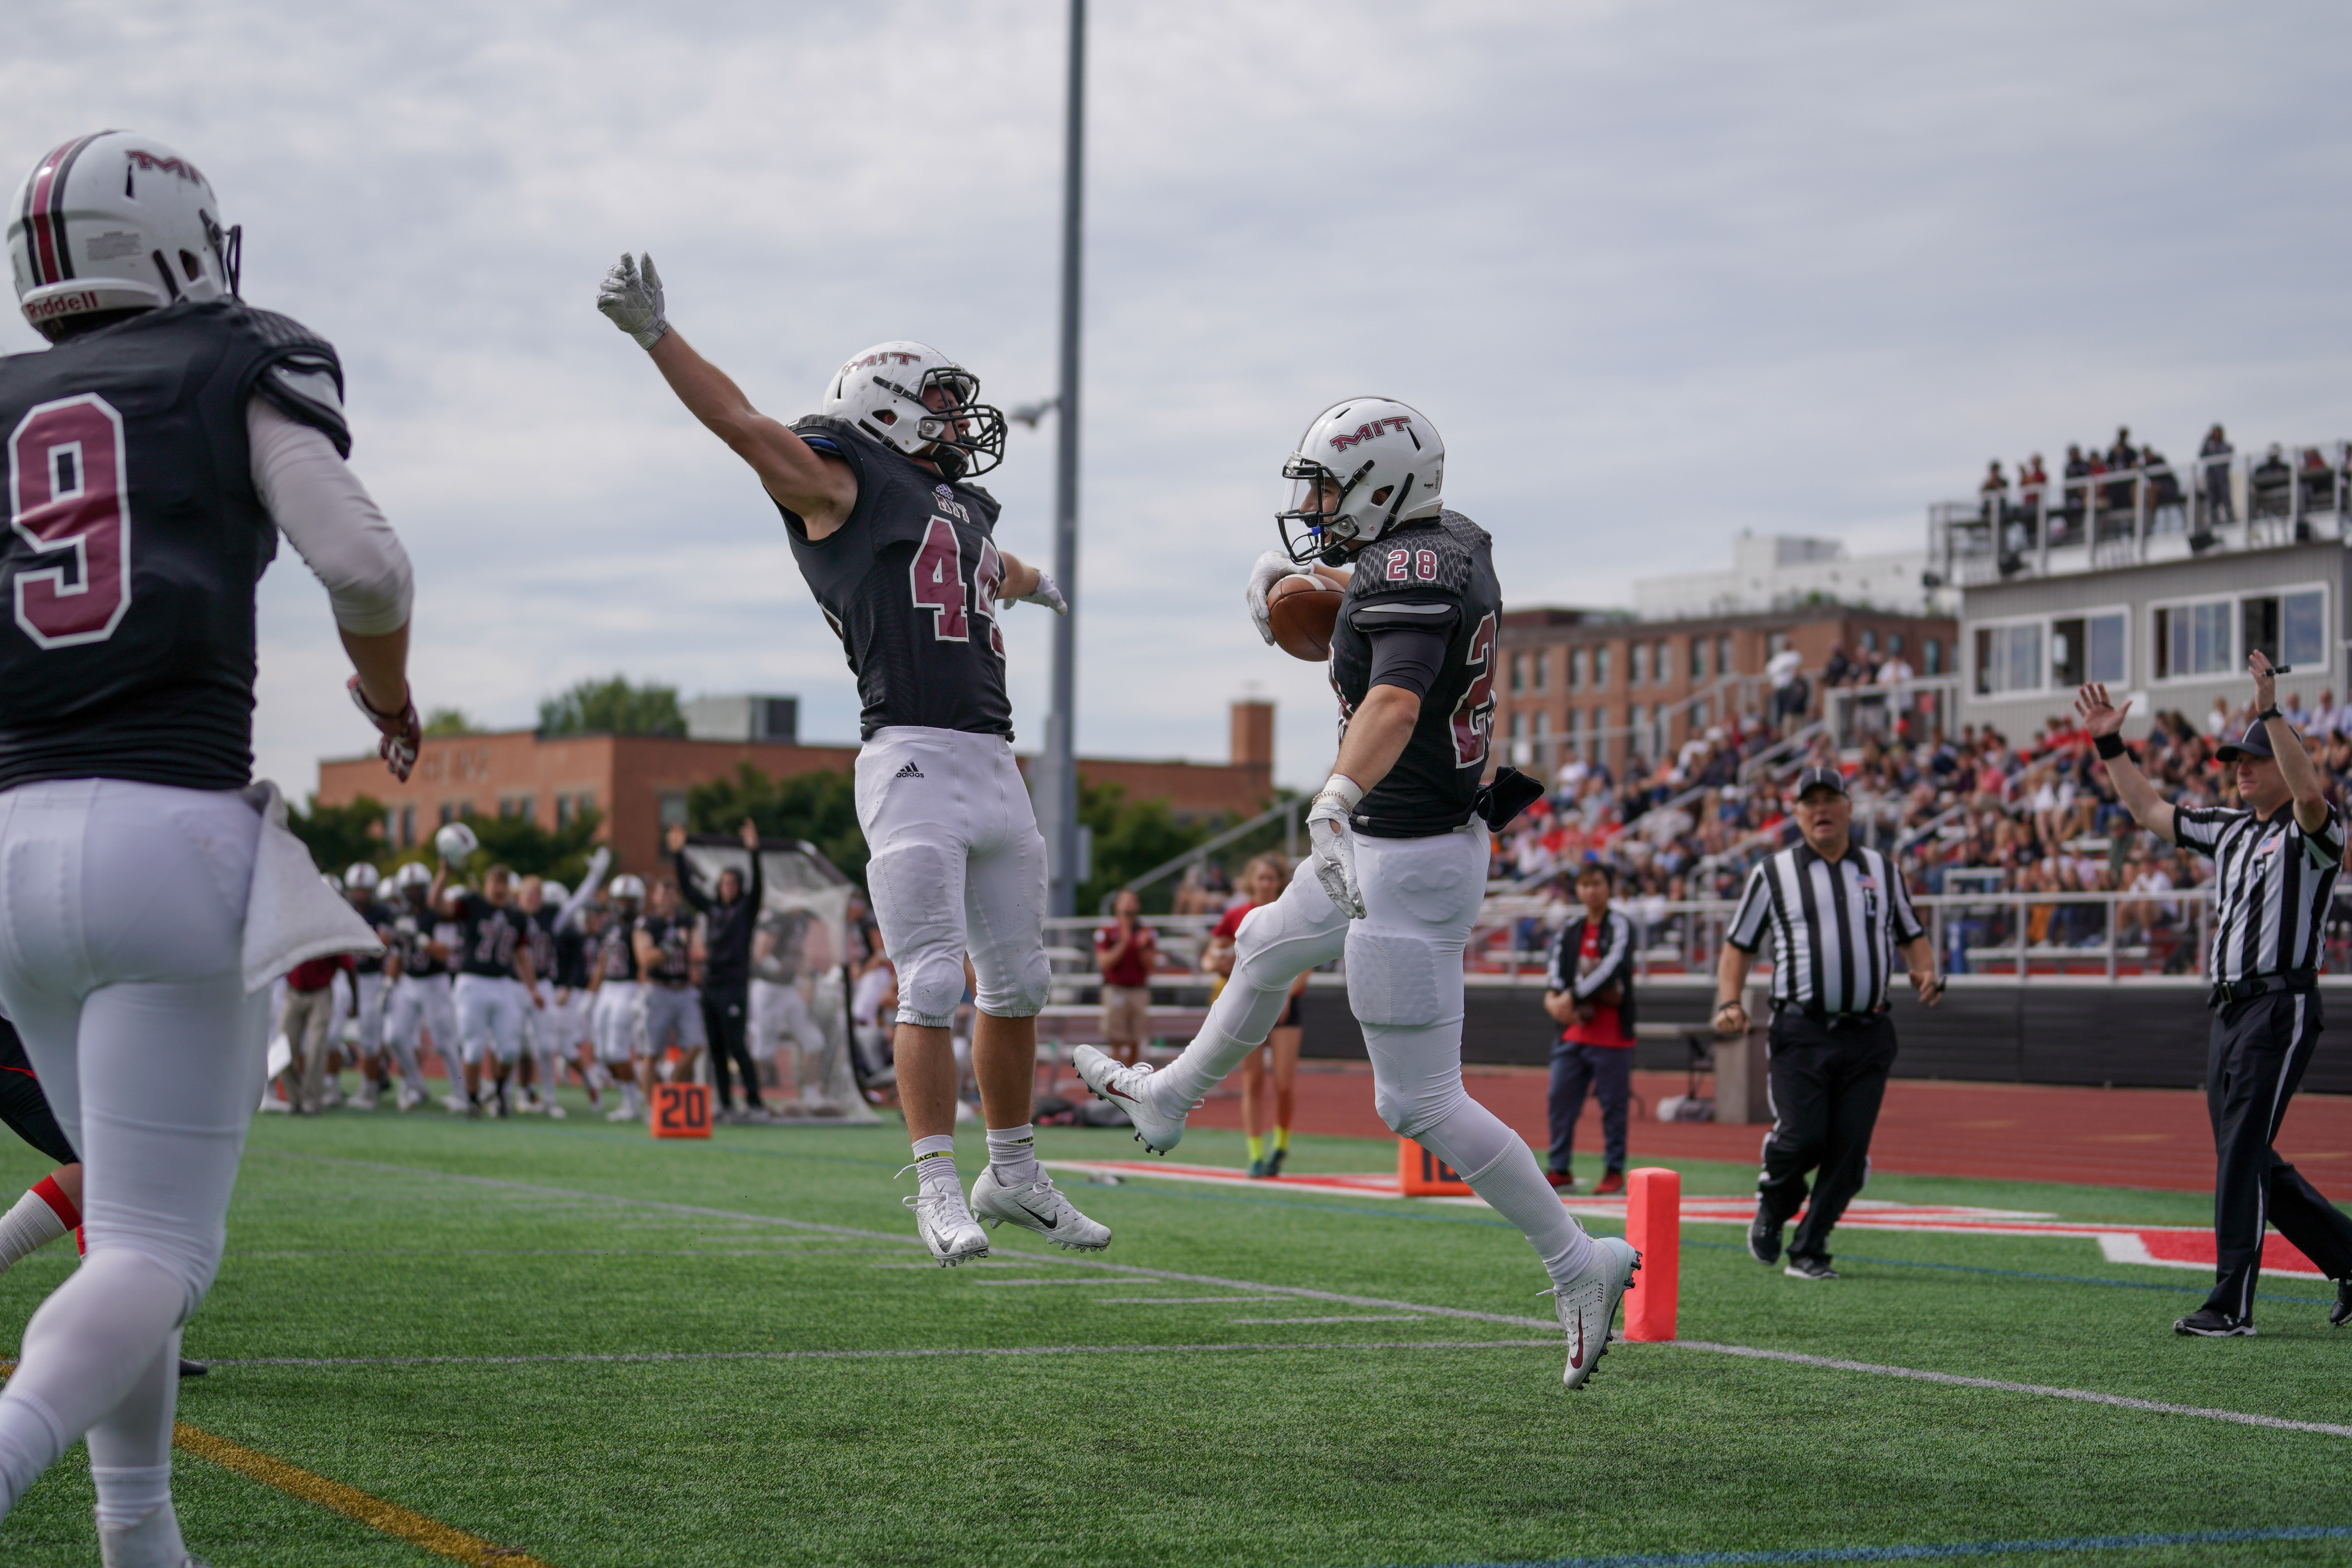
(1823, 778)
(2255, 742)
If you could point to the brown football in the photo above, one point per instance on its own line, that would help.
(1302, 621)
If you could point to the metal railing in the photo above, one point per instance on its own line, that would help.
(1854, 714)
(2158, 511)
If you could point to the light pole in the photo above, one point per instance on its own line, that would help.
(1057, 784)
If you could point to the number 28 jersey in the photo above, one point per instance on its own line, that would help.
(1436, 575)
(910, 584)
(127, 575)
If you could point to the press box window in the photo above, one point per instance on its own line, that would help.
(2290, 629)
(2086, 647)
(2192, 640)
(2008, 659)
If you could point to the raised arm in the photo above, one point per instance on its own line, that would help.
(2103, 719)
(2294, 762)
(819, 489)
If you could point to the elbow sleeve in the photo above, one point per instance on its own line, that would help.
(330, 519)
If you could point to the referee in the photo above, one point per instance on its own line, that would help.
(2274, 866)
(1836, 914)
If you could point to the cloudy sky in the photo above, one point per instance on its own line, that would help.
(1660, 272)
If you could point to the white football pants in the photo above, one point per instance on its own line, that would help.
(1405, 985)
(614, 1020)
(779, 1012)
(422, 1002)
(491, 1012)
(121, 919)
(957, 866)
(371, 1013)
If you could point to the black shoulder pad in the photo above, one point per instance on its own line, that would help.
(836, 437)
(300, 374)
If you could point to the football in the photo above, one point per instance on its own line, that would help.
(1302, 618)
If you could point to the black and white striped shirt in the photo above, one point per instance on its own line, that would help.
(1834, 923)
(2271, 884)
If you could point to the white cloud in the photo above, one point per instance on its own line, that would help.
(1659, 272)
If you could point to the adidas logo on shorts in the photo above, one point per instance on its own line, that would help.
(910, 772)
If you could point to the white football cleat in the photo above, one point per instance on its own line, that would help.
(1039, 1206)
(153, 1542)
(410, 1099)
(1128, 1089)
(1588, 1304)
(947, 1227)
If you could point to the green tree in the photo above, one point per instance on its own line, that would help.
(530, 850)
(450, 721)
(818, 806)
(613, 707)
(338, 835)
(1131, 836)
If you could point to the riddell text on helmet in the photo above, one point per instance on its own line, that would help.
(1366, 432)
(61, 305)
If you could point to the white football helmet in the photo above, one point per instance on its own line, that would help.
(412, 875)
(553, 892)
(334, 883)
(628, 889)
(455, 842)
(1363, 467)
(881, 389)
(362, 877)
(116, 221)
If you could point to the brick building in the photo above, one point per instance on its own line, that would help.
(640, 782)
(1596, 683)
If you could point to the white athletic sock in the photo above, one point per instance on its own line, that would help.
(1013, 1154)
(128, 1494)
(33, 1222)
(935, 1163)
(151, 1541)
(1503, 1171)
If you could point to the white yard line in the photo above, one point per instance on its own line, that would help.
(1134, 1272)
(928, 1352)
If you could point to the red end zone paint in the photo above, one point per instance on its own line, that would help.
(1653, 1224)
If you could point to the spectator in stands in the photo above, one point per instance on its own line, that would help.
(1994, 489)
(2219, 505)
(1837, 670)
(1125, 952)
(1589, 991)
(2270, 484)
(2326, 717)
(1263, 881)
(2032, 474)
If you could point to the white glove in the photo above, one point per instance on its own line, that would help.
(1270, 568)
(1333, 847)
(633, 299)
(1045, 593)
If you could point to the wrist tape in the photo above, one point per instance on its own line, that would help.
(2108, 746)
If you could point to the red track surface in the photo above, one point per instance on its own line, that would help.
(2109, 1137)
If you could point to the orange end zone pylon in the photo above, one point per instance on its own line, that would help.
(681, 1111)
(1422, 1174)
(1653, 1224)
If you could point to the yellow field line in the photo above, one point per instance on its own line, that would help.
(373, 1511)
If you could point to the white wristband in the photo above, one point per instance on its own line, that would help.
(1351, 793)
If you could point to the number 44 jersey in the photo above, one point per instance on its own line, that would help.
(136, 538)
(1436, 575)
(910, 584)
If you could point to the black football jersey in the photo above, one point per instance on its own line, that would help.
(671, 937)
(617, 957)
(380, 918)
(538, 935)
(138, 537)
(574, 958)
(488, 937)
(1436, 575)
(910, 584)
(411, 932)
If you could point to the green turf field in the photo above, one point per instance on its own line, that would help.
(1142, 1419)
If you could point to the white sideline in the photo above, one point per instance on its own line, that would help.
(2091, 1396)
(1549, 1343)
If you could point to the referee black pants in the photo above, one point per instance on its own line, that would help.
(1827, 1079)
(2254, 1057)
(726, 1018)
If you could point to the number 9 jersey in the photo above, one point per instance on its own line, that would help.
(1432, 577)
(909, 583)
(136, 539)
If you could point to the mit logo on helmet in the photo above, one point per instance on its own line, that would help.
(1393, 473)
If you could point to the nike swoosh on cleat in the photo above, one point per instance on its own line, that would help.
(1113, 1089)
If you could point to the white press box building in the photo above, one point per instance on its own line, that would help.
(2156, 580)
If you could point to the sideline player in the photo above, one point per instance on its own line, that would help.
(361, 883)
(157, 451)
(496, 987)
(1398, 853)
(669, 1003)
(2274, 866)
(779, 1014)
(899, 549)
(614, 1016)
(418, 966)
